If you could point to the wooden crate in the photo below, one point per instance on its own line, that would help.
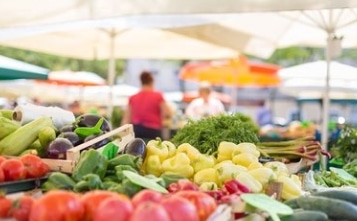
(125, 134)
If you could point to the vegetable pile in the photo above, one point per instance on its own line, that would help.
(206, 134)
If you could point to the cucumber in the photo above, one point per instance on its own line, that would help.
(293, 203)
(46, 135)
(306, 215)
(334, 208)
(340, 194)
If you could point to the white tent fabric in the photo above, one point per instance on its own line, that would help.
(95, 43)
(308, 80)
(17, 13)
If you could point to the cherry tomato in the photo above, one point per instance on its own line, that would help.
(35, 167)
(109, 207)
(57, 205)
(204, 203)
(91, 201)
(21, 208)
(5, 206)
(13, 170)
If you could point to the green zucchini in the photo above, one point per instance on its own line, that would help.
(7, 127)
(340, 194)
(334, 208)
(19, 140)
(306, 215)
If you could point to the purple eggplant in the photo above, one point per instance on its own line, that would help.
(57, 149)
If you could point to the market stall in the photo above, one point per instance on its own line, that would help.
(212, 169)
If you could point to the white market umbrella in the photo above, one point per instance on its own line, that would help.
(308, 80)
(317, 28)
(93, 42)
(75, 78)
(20, 13)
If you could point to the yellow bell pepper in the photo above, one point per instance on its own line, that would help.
(189, 150)
(153, 165)
(203, 161)
(246, 148)
(206, 175)
(225, 150)
(207, 186)
(290, 189)
(179, 165)
(229, 171)
(171, 147)
(255, 165)
(249, 181)
(245, 159)
(296, 179)
(278, 167)
(218, 165)
(157, 147)
(264, 175)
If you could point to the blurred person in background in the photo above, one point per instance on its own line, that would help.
(205, 105)
(264, 115)
(147, 110)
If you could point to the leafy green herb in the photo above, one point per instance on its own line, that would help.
(206, 134)
(346, 145)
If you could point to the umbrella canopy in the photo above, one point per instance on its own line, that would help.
(21, 13)
(89, 42)
(308, 80)
(11, 69)
(80, 78)
(237, 72)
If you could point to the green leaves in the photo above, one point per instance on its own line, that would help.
(206, 134)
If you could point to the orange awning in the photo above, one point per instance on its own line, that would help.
(236, 72)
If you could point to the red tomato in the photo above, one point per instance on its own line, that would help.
(204, 203)
(5, 206)
(116, 208)
(35, 168)
(21, 208)
(146, 195)
(150, 211)
(2, 175)
(179, 209)
(92, 199)
(13, 170)
(2, 159)
(57, 205)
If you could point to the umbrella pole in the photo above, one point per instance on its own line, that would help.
(333, 50)
(111, 72)
(325, 111)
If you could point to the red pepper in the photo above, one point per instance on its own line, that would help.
(217, 194)
(235, 187)
(182, 185)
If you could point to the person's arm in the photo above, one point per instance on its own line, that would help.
(166, 111)
(126, 116)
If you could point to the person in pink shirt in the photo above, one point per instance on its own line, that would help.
(147, 109)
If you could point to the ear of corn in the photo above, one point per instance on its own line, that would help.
(19, 140)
